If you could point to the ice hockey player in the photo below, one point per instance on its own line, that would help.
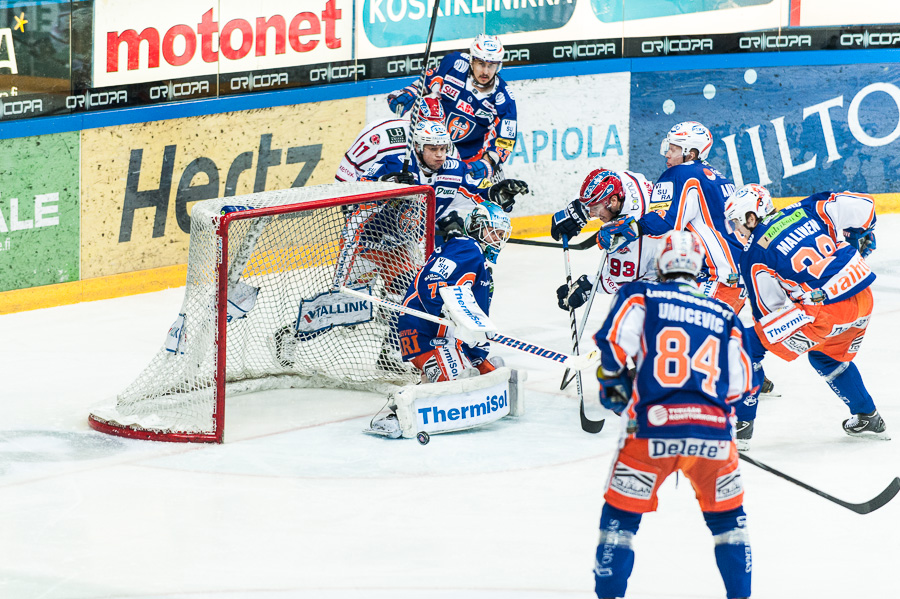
(809, 288)
(607, 195)
(455, 190)
(385, 138)
(463, 260)
(480, 108)
(691, 365)
(690, 195)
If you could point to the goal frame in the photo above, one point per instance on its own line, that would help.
(222, 232)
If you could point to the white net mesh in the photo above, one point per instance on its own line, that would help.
(299, 332)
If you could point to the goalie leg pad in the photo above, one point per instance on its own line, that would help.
(458, 405)
(443, 363)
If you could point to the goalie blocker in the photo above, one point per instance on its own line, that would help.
(452, 405)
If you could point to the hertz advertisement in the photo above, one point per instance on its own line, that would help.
(140, 181)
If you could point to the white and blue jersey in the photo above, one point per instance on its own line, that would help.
(454, 189)
(800, 250)
(691, 356)
(460, 261)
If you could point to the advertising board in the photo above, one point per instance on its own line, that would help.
(39, 211)
(140, 180)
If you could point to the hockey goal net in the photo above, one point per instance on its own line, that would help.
(262, 309)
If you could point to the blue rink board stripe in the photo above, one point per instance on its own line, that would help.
(340, 91)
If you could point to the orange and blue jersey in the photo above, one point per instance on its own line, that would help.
(477, 122)
(798, 254)
(454, 188)
(691, 357)
(459, 261)
(691, 196)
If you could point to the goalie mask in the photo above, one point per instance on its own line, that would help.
(599, 187)
(689, 135)
(680, 253)
(752, 198)
(490, 226)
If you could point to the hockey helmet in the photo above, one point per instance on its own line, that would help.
(680, 252)
(490, 226)
(599, 187)
(430, 133)
(488, 48)
(752, 197)
(430, 109)
(689, 135)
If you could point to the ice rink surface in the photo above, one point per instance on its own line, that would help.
(299, 503)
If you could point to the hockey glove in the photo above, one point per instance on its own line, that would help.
(400, 101)
(574, 296)
(617, 234)
(569, 221)
(405, 177)
(479, 170)
(862, 239)
(504, 193)
(615, 389)
(450, 225)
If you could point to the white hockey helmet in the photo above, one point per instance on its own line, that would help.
(752, 197)
(689, 135)
(490, 226)
(488, 48)
(680, 252)
(430, 133)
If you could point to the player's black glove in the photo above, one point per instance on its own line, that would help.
(569, 221)
(574, 296)
(450, 225)
(504, 193)
(405, 177)
(862, 239)
(615, 389)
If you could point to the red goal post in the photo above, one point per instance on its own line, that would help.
(261, 308)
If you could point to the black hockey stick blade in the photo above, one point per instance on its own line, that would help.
(566, 379)
(860, 508)
(582, 245)
(588, 425)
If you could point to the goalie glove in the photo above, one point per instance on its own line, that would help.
(404, 177)
(575, 295)
(504, 193)
(400, 101)
(617, 234)
(569, 221)
(450, 226)
(862, 239)
(615, 389)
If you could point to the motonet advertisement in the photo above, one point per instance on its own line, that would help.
(39, 222)
(797, 130)
(141, 180)
(137, 42)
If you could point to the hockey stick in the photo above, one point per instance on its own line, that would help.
(860, 508)
(581, 245)
(576, 362)
(587, 425)
(414, 116)
(566, 379)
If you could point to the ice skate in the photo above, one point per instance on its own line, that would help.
(386, 426)
(743, 431)
(767, 389)
(870, 426)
